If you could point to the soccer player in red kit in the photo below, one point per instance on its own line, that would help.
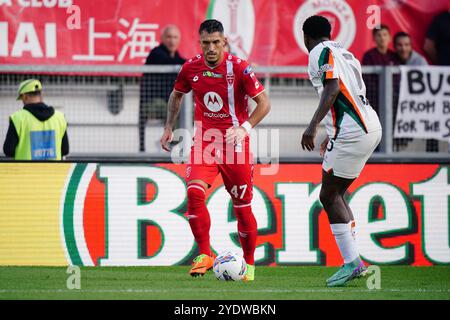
(222, 85)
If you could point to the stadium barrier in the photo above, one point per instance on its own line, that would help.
(132, 214)
(113, 111)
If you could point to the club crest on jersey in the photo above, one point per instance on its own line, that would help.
(213, 101)
(230, 79)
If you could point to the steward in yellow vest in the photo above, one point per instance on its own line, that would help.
(36, 132)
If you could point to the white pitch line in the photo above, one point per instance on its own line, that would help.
(225, 290)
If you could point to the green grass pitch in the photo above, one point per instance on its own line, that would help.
(272, 283)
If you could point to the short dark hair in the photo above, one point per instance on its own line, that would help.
(399, 35)
(317, 27)
(211, 26)
(382, 27)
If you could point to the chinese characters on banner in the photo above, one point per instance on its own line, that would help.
(138, 41)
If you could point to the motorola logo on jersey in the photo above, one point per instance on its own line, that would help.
(213, 101)
(215, 115)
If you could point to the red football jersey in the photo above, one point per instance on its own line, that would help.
(221, 93)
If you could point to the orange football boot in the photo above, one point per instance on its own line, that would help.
(201, 264)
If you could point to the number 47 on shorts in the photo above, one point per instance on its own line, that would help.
(235, 190)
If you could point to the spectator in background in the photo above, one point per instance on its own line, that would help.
(156, 87)
(437, 48)
(381, 55)
(405, 52)
(437, 41)
(36, 132)
(406, 56)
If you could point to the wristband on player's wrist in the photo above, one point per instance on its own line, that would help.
(247, 126)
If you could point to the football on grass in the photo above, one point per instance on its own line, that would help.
(229, 266)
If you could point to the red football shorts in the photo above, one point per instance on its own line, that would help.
(235, 167)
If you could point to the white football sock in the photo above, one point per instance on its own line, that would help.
(354, 232)
(345, 241)
(353, 229)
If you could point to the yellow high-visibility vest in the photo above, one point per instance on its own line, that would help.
(38, 140)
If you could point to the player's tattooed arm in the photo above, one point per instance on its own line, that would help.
(237, 134)
(173, 109)
(329, 94)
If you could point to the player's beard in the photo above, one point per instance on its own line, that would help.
(213, 60)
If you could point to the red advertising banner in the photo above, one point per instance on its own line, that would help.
(266, 32)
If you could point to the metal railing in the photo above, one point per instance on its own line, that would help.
(108, 117)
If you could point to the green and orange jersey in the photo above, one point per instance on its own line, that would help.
(351, 115)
